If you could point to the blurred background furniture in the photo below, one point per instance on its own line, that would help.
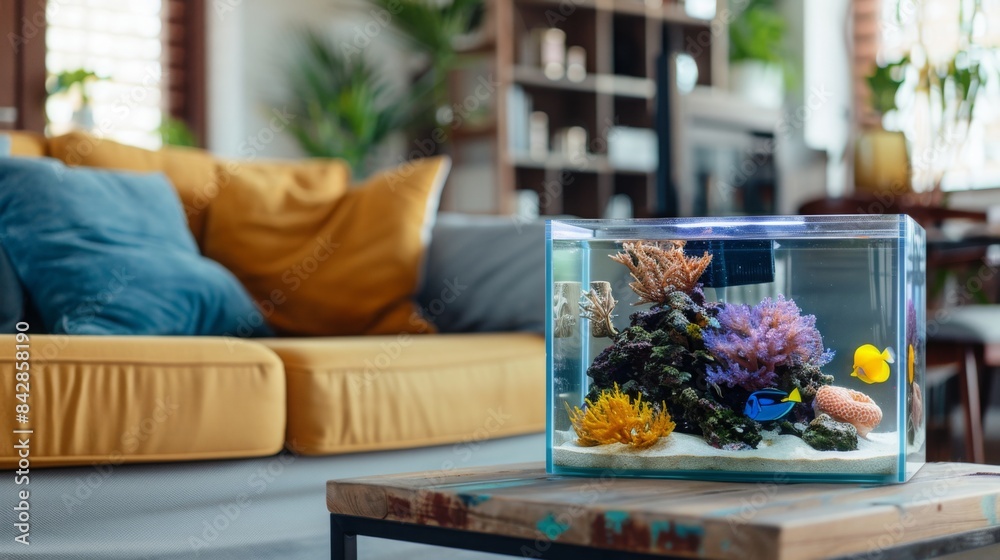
(962, 335)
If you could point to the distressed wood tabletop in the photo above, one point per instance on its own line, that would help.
(681, 517)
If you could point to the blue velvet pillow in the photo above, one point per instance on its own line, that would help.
(11, 296)
(105, 252)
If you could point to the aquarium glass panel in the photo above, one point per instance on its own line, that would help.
(768, 348)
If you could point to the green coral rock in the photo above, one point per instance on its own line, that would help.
(720, 426)
(826, 434)
(788, 428)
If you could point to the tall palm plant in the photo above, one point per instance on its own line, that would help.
(432, 27)
(345, 106)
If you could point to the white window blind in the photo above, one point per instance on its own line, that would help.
(122, 42)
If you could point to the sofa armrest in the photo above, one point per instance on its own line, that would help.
(485, 274)
(111, 400)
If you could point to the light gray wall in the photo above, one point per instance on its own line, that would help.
(250, 44)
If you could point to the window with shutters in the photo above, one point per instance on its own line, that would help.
(885, 30)
(121, 41)
(148, 59)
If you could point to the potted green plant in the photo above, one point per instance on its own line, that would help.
(758, 59)
(345, 107)
(175, 132)
(434, 29)
(76, 82)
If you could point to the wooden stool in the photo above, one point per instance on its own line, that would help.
(961, 335)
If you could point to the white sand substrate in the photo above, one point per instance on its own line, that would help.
(776, 453)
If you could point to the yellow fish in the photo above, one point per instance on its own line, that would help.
(872, 366)
(910, 359)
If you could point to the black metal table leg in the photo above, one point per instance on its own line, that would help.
(345, 529)
(343, 545)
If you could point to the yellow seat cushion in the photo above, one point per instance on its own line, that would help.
(111, 400)
(27, 144)
(322, 260)
(387, 392)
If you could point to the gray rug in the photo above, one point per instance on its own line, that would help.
(273, 507)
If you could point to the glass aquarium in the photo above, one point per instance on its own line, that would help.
(753, 349)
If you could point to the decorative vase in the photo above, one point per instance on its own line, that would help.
(881, 163)
(83, 118)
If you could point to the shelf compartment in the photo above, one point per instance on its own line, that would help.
(640, 189)
(547, 186)
(622, 86)
(629, 111)
(582, 195)
(592, 163)
(669, 12)
(629, 46)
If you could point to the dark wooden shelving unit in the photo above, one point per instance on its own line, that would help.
(623, 40)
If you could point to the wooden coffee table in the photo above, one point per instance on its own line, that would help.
(521, 511)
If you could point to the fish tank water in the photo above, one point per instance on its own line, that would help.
(775, 349)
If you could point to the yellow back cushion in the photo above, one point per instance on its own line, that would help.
(322, 260)
(193, 172)
(27, 144)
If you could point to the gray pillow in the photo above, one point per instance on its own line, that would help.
(485, 274)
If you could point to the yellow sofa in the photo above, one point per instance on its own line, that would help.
(151, 399)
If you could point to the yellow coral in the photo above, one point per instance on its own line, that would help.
(694, 331)
(615, 418)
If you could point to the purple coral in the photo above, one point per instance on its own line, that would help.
(911, 323)
(752, 342)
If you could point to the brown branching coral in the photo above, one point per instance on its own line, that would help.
(598, 306)
(616, 418)
(661, 269)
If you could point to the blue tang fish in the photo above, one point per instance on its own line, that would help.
(771, 404)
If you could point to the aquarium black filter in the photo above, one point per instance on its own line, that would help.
(735, 262)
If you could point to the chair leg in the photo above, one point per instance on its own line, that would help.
(969, 386)
(985, 385)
